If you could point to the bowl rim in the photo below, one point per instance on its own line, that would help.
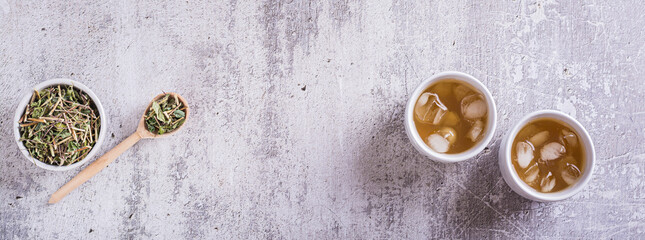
(420, 145)
(509, 173)
(20, 108)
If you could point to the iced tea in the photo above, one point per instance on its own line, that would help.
(548, 155)
(451, 116)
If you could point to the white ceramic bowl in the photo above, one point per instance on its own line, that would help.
(422, 147)
(21, 109)
(523, 189)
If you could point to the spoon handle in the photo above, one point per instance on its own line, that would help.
(95, 167)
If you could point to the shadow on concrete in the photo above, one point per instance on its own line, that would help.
(394, 178)
(466, 199)
(488, 208)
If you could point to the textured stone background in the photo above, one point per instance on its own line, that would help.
(297, 126)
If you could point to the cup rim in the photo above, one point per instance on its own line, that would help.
(420, 145)
(21, 108)
(524, 189)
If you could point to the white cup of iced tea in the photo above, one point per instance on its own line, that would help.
(450, 117)
(547, 156)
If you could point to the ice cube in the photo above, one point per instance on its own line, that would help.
(569, 138)
(531, 173)
(552, 151)
(443, 89)
(475, 130)
(450, 119)
(473, 107)
(524, 154)
(426, 107)
(529, 130)
(448, 133)
(547, 183)
(538, 139)
(570, 174)
(567, 160)
(438, 115)
(438, 143)
(460, 92)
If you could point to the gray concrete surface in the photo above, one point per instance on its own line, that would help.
(297, 126)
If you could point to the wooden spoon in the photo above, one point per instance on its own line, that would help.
(108, 157)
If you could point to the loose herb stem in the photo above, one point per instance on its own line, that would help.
(55, 124)
(165, 115)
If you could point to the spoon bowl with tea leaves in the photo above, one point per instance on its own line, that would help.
(164, 116)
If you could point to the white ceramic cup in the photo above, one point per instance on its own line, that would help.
(422, 147)
(523, 189)
(21, 109)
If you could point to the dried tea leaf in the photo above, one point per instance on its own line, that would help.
(179, 114)
(56, 124)
(165, 115)
(158, 112)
